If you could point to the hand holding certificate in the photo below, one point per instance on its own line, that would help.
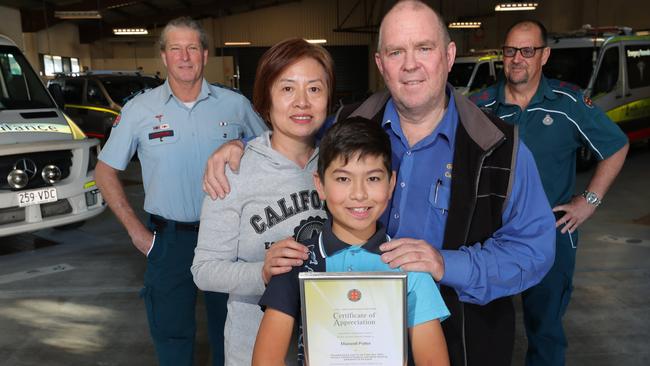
(354, 318)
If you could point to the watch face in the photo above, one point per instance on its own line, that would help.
(591, 197)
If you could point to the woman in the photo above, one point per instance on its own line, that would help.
(246, 238)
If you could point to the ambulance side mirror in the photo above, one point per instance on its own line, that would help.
(57, 94)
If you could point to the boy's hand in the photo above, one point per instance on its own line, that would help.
(281, 256)
(215, 183)
(413, 255)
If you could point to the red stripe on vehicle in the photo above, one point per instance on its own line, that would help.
(639, 134)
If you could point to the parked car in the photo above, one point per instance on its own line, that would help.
(475, 72)
(613, 66)
(93, 99)
(46, 162)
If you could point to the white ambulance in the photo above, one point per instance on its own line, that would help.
(613, 66)
(46, 162)
(474, 72)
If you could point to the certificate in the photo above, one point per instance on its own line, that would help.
(354, 318)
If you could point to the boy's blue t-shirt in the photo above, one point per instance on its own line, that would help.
(329, 254)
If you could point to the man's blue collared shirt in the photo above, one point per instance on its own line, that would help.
(517, 255)
(174, 141)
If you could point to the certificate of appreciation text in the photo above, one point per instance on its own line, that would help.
(354, 318)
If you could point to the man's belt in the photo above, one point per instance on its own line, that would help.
(160, 223)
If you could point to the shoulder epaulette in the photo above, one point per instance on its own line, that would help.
(135, 94)
(570, 90)
(223, 86)
(484, 96)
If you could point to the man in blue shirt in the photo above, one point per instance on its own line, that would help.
(468, 206)
(174, 128)
(554, 119)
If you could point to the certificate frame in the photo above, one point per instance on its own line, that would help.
(340, 293)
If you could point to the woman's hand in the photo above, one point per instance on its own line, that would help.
(282, 256)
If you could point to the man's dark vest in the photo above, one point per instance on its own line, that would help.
(484, 157)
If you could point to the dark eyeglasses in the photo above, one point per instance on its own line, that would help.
(527, 52)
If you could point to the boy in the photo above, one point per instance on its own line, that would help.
(355, 178)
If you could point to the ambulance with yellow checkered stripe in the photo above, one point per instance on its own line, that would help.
(471, 73)
(46, 162)
(612, 64)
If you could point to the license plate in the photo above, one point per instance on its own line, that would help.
(36, 196)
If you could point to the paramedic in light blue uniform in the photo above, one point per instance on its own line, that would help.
(174, 128)
(554, 120)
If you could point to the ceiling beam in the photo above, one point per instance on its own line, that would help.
(151, 6)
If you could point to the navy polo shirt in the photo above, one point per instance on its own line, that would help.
(327, 253)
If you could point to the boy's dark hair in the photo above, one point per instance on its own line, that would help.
(355, 135)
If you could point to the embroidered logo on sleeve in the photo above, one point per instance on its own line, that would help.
(117, 120)
(588, 101)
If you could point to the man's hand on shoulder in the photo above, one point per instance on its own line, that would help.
(413, 255)
(215, 183)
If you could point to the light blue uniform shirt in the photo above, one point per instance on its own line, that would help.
(479, 272)
(173, 143)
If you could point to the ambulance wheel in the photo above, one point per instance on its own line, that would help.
(585, 160)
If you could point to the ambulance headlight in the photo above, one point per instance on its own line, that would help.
(51, 174)
(17, 179)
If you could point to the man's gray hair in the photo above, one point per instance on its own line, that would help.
(183, 22)
(416, 5)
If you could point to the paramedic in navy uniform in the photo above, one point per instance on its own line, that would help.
(554, 119)
(174, 128)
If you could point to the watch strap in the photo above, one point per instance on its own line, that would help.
(592, 198)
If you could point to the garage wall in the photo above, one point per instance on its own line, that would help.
(61, 39)
(306, 19)
(218, 69)
(10, 25)
(312, 19)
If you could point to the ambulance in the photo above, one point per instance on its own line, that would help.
(613, 66)
(46, 162)
(474, 72)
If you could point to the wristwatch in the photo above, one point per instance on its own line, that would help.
(592, 198)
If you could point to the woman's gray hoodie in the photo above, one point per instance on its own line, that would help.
(271, 198)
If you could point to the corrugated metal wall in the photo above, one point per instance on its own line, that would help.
(308, 19)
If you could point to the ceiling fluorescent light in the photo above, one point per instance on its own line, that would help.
(129, 31)
(465, 25)
(515, 6)
(237, 43)
(121, 5)
(316, 40)
(91, 14)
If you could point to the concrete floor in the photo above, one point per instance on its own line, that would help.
(71, 297)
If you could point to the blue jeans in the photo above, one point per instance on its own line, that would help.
(169, 294)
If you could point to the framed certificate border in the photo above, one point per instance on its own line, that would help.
(334, 314)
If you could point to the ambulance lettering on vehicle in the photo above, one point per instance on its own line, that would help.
(33, 127)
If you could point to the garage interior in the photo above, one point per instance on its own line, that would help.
(71, 297)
